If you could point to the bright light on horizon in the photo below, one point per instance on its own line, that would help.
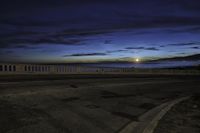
(137, 60)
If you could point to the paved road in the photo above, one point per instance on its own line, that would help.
(85, 105)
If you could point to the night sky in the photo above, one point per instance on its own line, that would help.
(101, 31)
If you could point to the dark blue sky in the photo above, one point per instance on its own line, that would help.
(63, 31)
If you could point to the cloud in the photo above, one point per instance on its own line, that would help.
(193, 57)
(84, 23)
(19, 33)
(193, 6)
(84, 32)
(191, 29)
(27, 43)
(27, 39)
(56, 41)
(137, 48)
(184, 44)
(95, 54)
(85, 54)
(116, 51)
(195, 47)
(29, 23)
(162, 46)
(152, 48)
(108, 42)
(142, 48)
(6, 52)
(193, 44)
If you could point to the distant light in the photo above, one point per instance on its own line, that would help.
(137, 60)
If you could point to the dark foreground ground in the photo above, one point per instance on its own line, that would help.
(182, 118)
(84, 104)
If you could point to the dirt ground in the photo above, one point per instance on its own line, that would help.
(85, 105)
(182, 118)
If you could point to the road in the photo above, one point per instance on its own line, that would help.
(85, 105)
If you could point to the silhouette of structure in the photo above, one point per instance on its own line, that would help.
(58, 69)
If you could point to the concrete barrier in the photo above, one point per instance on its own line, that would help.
(69, 69)
(57, 69)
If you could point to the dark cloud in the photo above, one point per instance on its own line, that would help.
(28, 38)
(84, 32)
(19, 33)
(85, 54)
(108, 42)
(109, 16)
(195, 44)
(56, 41)
(30, 43)
(137, 48)
(6, 52)
(184, 44)
(116, 51)
(9, 52)
(192, 29)
(182, 53)
(195, 47)
(162, 46)
(28, 24)
(142, 48)
(137, 23)
(194, 57)
(23, 47)
(193, 6)
(151, 48)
